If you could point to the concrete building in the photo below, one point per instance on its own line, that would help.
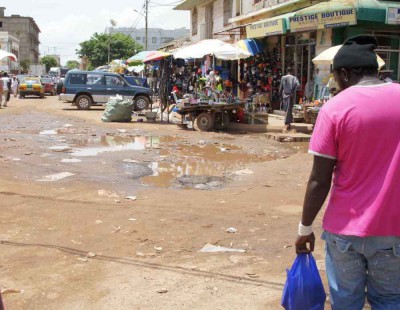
(157, 37)
(10, 44)
(26, 30)
(211, 20)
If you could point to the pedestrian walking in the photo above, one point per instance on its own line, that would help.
(6, 88)
(14, 86)
(287, 91)
(356, 140)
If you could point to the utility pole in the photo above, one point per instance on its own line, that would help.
(146, 21)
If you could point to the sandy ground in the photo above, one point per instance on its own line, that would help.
(143, 253)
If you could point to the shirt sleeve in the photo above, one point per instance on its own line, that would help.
(323, 141)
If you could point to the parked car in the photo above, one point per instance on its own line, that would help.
(49, 86)
(136, 80)
(87, 88)
(31, 86)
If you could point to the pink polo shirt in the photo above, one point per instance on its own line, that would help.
(360, 128)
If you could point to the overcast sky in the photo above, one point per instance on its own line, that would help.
(66, 23)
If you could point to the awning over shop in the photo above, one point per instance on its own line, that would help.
(268, 27)
(338, 13)
(218, 48)
(253, 46)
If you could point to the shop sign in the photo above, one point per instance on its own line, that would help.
(393, 16)
(265, 28)
(332, 19)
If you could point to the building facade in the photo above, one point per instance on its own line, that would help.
(157, 37)
(26, 31)
(10, 44)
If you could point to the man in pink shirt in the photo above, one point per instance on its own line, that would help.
(357, 141)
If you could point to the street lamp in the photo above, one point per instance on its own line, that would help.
(113, 23)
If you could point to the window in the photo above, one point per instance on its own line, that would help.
(144, 39)
(138, 39)
(154, 40)
(114, 81)
(1, 24)
(227, 11)
(77, 79)
(257, 1)
(166, 39)
(194, 21)
(238, 7)
(94, 79)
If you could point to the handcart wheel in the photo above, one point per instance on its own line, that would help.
(205, 121)
(221, 120)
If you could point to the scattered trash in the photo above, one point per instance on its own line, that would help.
(253, 276)
(243, 172)
(16, 159)
(132, 161)
(162, 291)
(132, 219)
(11, 291)
(133, 198)
(91, 254)
(201, 187)
(68, 125)
(287, 246)
(275, 217)
(99, 222)
(116, 229)
(70, 160)
(83, 259)
(76, 242)
(28, 153)
(231, 230)
(202, 142)
(209, 248)
(158, 248)
(48, 132)
(56, 177)
(122, 130)
(60, 148)
(118, 201)
(141, 254)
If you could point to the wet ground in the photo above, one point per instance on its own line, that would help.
(113, 216)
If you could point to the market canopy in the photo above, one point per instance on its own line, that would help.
(326, 57)
(138, 58)
(253, 46)
(5, 54)
(217, 48)
(155, 56)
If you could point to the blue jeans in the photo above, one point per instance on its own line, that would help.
(363, 267)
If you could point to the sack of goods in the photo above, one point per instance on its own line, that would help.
(303, 288)
(118, 110)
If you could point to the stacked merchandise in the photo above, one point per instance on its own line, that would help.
(263, 73)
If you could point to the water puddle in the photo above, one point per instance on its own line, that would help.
(199, 166)
(105, 144)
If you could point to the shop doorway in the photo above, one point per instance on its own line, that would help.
(389, 50)
(299, 52)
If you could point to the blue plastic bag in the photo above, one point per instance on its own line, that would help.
(303, 288)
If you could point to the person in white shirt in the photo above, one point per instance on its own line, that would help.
(14, 86)
(6, 88)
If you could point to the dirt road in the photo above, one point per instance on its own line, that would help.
(70, 238)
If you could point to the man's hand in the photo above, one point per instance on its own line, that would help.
(301, 244)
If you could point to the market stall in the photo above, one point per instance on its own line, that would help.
(207, 97)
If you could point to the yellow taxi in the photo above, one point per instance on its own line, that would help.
(31, 86)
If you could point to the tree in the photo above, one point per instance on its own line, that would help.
(122, 46)
(73, 64)
(24, 64)
(49, 62)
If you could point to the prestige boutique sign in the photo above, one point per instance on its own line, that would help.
(265, 28)
(332, 19)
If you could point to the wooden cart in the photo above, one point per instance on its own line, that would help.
(209, 116)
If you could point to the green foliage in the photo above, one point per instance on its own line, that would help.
(73, 64)
(96, 49)
(49, 62)
(24, 64)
